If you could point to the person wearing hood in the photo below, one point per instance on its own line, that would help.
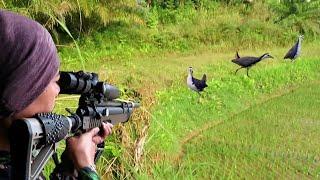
(29, 72)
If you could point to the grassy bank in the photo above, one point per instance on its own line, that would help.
(277, 138)
(125, 30)
(181, 120)
(227, 94)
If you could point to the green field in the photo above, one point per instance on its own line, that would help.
(277, 138)
(259, 127)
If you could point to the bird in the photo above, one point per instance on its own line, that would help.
(196, 84)
(248, 61)
(295, 51)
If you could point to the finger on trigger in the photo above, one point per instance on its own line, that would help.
(107, 130)
(97, 139)
(94, 131)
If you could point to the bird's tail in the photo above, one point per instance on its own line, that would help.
(204, 79)
(287, 56)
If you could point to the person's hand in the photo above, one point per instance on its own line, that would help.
(82, 148)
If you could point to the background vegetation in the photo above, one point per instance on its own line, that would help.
(144, 47)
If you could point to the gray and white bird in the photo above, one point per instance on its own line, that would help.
(196, 84)
(248, 61)
(295, 51)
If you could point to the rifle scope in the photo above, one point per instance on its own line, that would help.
(82, 83)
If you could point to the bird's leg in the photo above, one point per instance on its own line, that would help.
(238, 70)
(199, 98)
(248, 72)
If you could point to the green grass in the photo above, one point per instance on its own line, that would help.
(225, 95)
(181, 115)
(278, 138)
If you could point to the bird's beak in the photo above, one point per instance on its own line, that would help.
(271, 56)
